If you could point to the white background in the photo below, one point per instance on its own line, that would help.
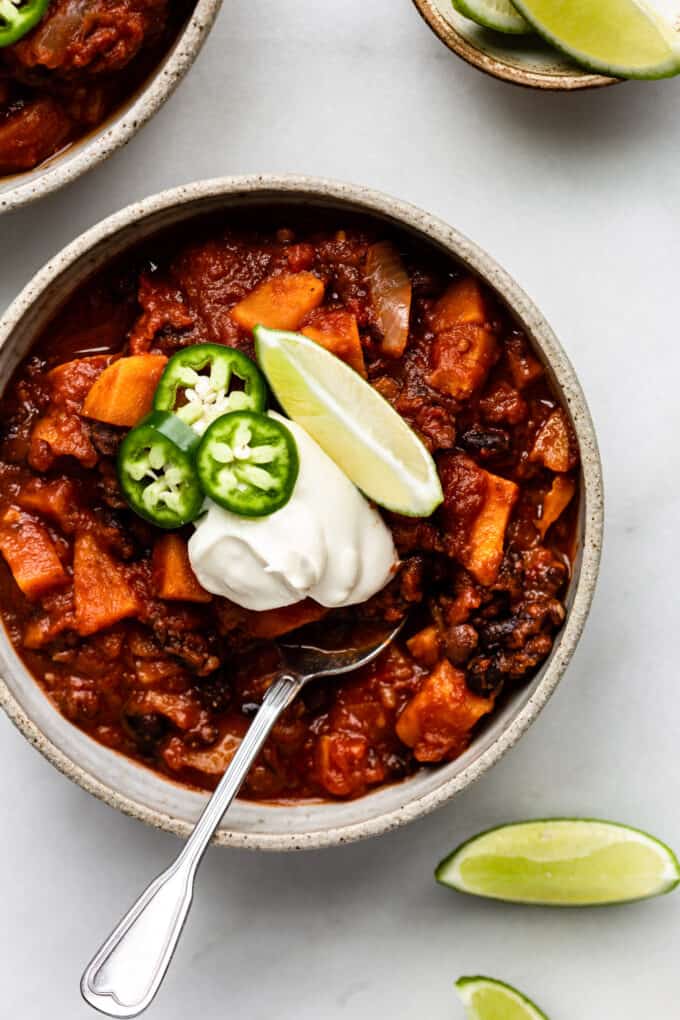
(578, 197)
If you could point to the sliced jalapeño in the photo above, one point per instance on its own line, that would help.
(248, 463)
(157, 473)
(18, 17)
(203, 382)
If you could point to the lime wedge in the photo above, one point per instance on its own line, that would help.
(624, 38)
(500, 15)
(562, 862)
(356, 427)
(487, 999)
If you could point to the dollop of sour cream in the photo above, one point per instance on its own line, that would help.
(327, 543)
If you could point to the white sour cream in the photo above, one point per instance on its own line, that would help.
(327, 543)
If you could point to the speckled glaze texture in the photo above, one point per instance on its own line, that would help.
(120, 127)
(521, 60)
(145, 795)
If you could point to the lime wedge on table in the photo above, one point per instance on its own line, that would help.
(500, 15)
(624, 38)
(487, 999)
(355, 426)
(562, 862)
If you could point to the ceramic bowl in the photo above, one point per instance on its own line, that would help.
(522, 60)
(140, 792)
(117, 129)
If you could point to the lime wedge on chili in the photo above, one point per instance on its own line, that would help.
(500, 15)
(624, 38)
(562, 862)
(355, 426)
(487, 999)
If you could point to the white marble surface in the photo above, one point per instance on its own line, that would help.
(578, 197)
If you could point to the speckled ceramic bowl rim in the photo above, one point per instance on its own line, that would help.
(506, 72)
(120, 127)
(451, 779)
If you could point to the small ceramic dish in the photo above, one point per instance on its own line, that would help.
(133, 788)
(521, 60)
(121, 125)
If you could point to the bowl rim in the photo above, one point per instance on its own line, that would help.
(496, 68)
(321, 191)
(122, 123)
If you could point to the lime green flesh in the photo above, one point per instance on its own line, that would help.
(499, 15)
(351, 422)
(487, 999)
(624, 38)
(563, 862)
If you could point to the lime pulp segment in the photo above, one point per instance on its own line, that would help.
(499, 15)
(351, 422)
(562, 862)
(623, 38)
(487, 999)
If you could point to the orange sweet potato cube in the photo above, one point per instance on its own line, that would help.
(484, 552)
(555, 445)
(173, 576)
(123, 393)
(30, 554)
(338, 332)
(438, 720)
(462, 304)
(465, 346)
(425, 646)
(556, 502)
(103, 594)
(281, 302)
(273, 623)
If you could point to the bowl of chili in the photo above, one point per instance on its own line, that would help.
(77, 81)
(153, 671)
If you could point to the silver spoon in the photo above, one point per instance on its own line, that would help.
(123, 977)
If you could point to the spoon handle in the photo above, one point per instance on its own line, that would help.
(123, 977)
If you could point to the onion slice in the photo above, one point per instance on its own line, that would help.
(391, 295)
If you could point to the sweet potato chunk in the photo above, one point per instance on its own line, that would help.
(123, 393)
(484, 553)
(461, 359)
(30, 554)
(273, 623)
(60, 434)
(465, 346)
(425, 646)
(462, 304)
(556, 502)
(437, 722)
(344, 766)
(282, 302)
(103, 593)
(56, 500)
(338, 332)
(554, 445)
(173, 576)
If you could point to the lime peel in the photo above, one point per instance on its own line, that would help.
(498, 15)
(564, 862)
(622, 38)
(351, 422)
(487, 998)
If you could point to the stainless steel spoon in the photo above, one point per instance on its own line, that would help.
(123, 977)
